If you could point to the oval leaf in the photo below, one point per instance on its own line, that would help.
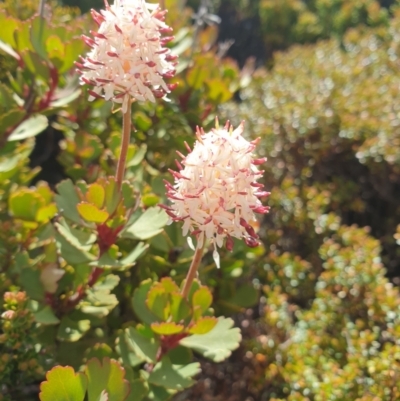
(30, 127)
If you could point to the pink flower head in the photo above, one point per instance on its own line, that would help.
(216, 193)
(128, 58)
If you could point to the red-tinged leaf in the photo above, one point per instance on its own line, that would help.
(203, 325)
(157, 301)
(180, 308)
(167, 328)
(109, 377)
(63, 384)
(201, 301)
(169, 285)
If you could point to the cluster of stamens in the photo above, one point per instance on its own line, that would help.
(128, 59)
(215, 192)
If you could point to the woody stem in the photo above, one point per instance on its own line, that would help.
(192, 271)
(126, 136)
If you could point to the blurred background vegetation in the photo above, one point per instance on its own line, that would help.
(319, 82)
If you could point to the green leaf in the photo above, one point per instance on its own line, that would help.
(35, 64)
(108, 283)
(137, 252)
(150, 200)
(82, 240)
(64, 96)
(203, 325)
(99, 302)
(138, 156)
(73, 49)
(112, 195)
(46, 316)
(55, 48)
(180, 308)
(92, 213)
(71, 253)
(129, 197)
(158, 393)
(31, 283)
(109, 376)
(6, 97)
(149, 224)
(63, 384)
(106, 261)
(195, 286)
(218, 343)
(127, 355)
(99, 351)
(10, 119)
(45, 213)
(173, 376)
(201, 301)
(169, 285)
(167, 328)
(25, 203)
(142, 121)
(96, 195)
(29, 128)
(67, 200)
(158, 301)
(180, 355)
(144, 347)
(139, 303)
(9, 25)
(74, 244)
(37, 30)
(139, 390)
(71, 330)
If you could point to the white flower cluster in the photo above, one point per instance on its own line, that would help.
(216, 192)
(128, 58)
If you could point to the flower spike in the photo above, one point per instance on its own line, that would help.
(128, 59)
(216, 189)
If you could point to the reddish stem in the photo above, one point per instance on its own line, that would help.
(126, 135)
(192, 271)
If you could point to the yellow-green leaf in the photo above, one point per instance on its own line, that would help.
(167, 328)
(203, 325)
(201, 301)
(96, 195)
(92, 213)
(63, 384)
